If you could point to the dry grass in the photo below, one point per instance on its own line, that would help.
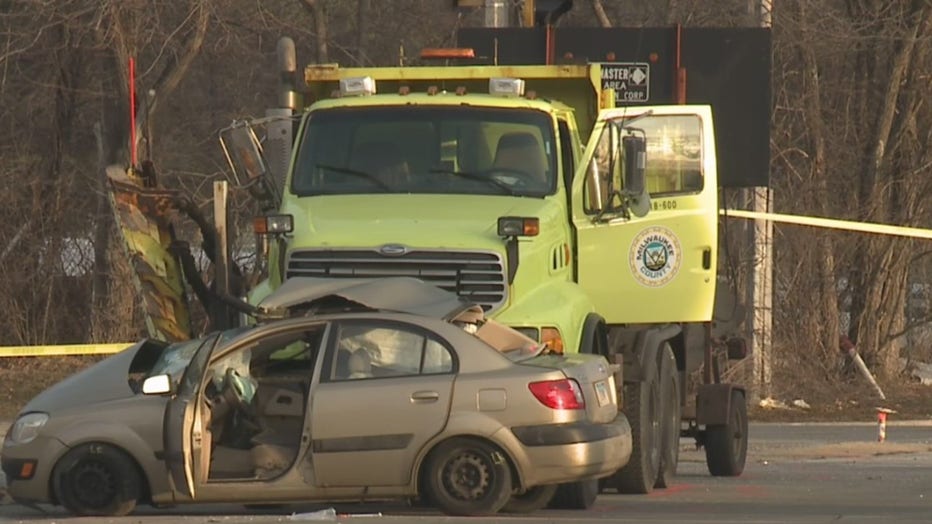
(841, 396)
(23, 378)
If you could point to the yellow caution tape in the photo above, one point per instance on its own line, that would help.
(832, 223)
(63, 349)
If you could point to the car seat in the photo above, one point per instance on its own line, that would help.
(521, 152)
(360, 364)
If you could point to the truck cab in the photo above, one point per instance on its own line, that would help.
(471, 179)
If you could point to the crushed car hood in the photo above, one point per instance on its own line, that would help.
(398, 294)
(106, 380)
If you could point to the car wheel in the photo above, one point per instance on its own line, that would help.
(468, 477)
(531, 500)
(726, 445)
(576, 495)
(670, 423)
(642, 406)
(97, 480)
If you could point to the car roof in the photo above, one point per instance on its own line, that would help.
(398, 294)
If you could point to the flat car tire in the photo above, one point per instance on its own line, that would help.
(97, 480)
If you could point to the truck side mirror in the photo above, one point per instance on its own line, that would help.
(635, 150)
(635, 190)
(248, 164)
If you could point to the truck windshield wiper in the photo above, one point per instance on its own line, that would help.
(481, 177)
(357, 173)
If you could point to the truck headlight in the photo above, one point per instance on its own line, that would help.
(26, 428)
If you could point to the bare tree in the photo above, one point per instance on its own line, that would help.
(316, 7)
(599, 11)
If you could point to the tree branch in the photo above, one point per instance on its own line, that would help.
(599, 10)
(172, 74)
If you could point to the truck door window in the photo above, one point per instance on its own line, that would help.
(674, 154)
(603, 177)
(568, 163)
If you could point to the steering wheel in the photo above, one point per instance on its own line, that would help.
(513, 177)
(234, 390)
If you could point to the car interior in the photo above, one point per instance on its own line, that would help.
(254, 408)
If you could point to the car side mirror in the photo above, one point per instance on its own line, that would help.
(157, 385)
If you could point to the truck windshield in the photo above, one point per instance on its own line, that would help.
(440, 150)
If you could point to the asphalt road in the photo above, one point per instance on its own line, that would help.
(796, 473)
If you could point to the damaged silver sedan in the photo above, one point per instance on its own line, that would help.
(343, 391)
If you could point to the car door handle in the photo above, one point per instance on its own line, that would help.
(425, 396)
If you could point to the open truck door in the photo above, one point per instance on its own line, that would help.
(653, 245)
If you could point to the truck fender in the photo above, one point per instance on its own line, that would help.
(713, 403)
(642, 362)
(594, 340)
(594, 337)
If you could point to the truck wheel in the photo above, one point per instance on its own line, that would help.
(531, 500)
(726, 445)
(670, 422)
(97, 480)
(576, 495)
(642, 406)
(468, 477)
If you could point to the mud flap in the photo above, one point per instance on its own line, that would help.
(713, 403)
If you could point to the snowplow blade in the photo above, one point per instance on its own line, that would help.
(144, 219)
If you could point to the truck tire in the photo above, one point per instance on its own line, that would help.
(531, 500)
(642, 406)
(726, 445)
(576, 495)
(670, 422)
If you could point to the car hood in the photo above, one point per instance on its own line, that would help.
(106, 380)
(398, 294)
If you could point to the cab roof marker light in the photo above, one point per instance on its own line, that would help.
(510, 87)
(357, 86)
(441, 53)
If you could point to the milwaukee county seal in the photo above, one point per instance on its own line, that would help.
(655, 256)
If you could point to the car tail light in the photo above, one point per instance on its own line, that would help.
(558, 394)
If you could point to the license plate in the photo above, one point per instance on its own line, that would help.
(601, 392)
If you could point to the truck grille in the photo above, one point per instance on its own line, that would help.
(474, 275)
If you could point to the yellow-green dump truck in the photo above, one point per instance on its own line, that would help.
(590, 227)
